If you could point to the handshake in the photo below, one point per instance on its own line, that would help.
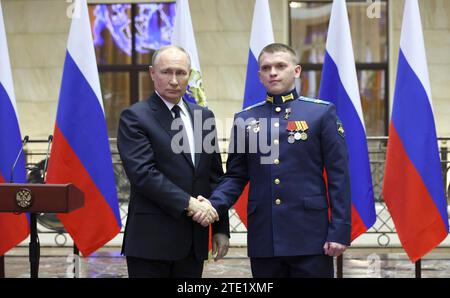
(202, 211)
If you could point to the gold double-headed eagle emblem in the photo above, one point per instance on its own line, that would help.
(24, 198)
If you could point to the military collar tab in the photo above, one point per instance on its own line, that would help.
(282, 98)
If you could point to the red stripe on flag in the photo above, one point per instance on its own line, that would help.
(93, 225)
(358, 226)
(417, 220)
(241, 205)
(13, 229)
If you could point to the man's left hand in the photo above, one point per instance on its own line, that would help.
(334, 249)
(220, 244)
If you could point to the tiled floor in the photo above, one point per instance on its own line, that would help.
(358, 263)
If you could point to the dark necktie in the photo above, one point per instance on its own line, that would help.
(177, 110)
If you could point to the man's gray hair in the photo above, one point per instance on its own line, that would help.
(158, 52)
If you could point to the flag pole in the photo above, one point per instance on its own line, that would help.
(34, 247)
(419, 268)
(2, 267)
(76, 261)
(340, 266)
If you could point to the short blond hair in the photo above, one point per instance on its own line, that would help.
(279, 47)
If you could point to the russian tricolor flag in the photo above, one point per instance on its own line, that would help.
(80, 151)
(13, 228)
(339, 85)
(413, 186)
(261, 35)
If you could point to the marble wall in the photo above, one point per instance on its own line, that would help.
(37, 34)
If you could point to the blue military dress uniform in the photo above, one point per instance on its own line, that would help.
(288, 205)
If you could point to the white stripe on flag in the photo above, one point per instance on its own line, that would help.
(81, 47)
(339, 47)
(183, 32)
(5, 69)
(262, 33)
(413, 45)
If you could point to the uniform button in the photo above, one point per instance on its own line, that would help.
(276, 124)
(277, 109)
(276, 161)
(278, 201)
(277, 181)
(276, 142)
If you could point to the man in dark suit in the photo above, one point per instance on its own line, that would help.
(162, 153)
(290, 232)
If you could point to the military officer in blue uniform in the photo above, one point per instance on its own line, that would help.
(291, 232)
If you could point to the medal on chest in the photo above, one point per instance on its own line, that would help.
(297, 131)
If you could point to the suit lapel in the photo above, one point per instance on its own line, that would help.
(165, 118)
(162, 114)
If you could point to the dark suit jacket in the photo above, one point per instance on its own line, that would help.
(162, 181)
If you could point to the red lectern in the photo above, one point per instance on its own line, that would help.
(39, 198)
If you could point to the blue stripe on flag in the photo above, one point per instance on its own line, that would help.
(81, 119)
(332, 89)
(10, 140)
(254, 90)
(413, 119)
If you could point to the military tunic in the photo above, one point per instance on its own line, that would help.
(282, 146)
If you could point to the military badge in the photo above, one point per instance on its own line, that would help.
(254, 126)
(288, 97)
(287, 113)
(340, 129)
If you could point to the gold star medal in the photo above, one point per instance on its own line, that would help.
(287, 113)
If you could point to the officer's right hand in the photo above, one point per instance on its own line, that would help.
(203, 218)
(202, 211)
